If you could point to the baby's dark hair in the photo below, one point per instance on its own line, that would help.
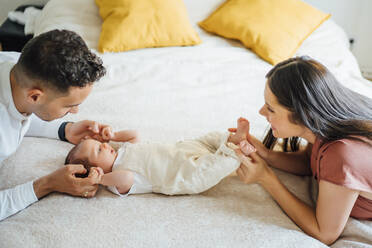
(73, 159)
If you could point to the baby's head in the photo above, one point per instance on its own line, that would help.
(92, 153)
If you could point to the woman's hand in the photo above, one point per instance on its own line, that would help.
(253, 169)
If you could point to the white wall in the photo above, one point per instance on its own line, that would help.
(355, 17)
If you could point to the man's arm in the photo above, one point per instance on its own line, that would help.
(62, 180)
(40, 128)
(72, 132)
(15, 199)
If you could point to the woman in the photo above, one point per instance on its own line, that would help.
(304, 100)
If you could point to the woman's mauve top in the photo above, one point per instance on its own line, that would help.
(347, 163)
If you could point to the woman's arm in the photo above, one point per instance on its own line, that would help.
(294, 162)
(297, 163)
(324, 223)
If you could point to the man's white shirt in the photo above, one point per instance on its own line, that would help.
(13, 127)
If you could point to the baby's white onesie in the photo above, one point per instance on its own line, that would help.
(140, 184)
(186, 167)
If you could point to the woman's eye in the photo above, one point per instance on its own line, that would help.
(99, 149)
(270, 110)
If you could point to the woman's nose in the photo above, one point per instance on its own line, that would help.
(262, 111)
(105, 145)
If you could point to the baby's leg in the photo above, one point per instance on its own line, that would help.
(241, 131)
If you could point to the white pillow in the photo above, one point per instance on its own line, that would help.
(80, 16)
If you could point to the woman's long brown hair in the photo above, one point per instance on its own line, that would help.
(319, 102)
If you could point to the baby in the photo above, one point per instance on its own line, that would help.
(186, 167)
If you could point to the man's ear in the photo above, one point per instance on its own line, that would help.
(34, 95)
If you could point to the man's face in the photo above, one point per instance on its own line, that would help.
(54, 106)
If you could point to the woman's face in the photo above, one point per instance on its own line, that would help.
(278, 116)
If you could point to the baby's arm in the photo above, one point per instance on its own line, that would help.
(121, 179)
(121, 136)
(126, 136)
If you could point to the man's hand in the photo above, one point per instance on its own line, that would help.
(64, 180)
(77, 131)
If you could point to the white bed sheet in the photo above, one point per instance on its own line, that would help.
(170, 94)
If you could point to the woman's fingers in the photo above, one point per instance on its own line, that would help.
(243, 173)
(239, 171)
(244, 169)
(244, 159)
(240, 174)
(255, 157)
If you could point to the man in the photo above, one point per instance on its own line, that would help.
(53, 76)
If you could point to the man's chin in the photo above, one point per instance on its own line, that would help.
(48, 118)
(44, 118)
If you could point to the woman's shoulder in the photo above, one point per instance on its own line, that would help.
(346, 162)
(346, 148)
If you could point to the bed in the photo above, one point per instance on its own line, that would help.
(169, 94)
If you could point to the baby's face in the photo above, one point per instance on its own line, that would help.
(99, 154)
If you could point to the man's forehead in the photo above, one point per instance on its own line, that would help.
(75, 96)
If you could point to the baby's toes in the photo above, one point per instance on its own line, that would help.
(243, 124)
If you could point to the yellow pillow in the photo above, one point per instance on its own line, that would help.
(134, 24)
(273, 29)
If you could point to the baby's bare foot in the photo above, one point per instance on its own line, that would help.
(241, 131)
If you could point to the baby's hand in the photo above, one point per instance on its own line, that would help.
(107, 133)
(96, 173)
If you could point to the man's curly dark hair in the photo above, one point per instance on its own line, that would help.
(60, 59)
